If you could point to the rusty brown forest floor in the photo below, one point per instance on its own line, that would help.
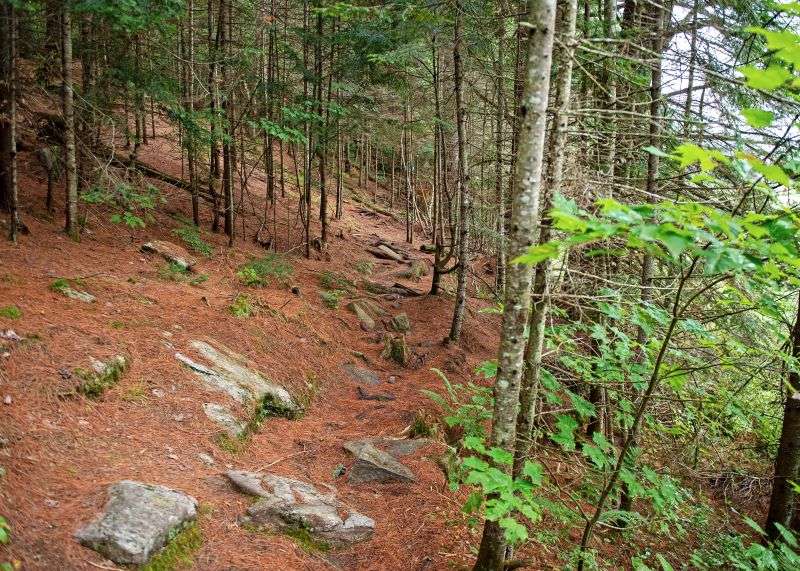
(64, 450)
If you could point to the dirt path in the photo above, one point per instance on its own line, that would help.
(62, 451)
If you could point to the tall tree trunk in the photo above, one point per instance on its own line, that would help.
(787, 460)
(8, 118)
(71, 225)
(228, 152)
(522, 234)
(651, 190)
(213, 88)
(499, 121)
(463, 180)
(553, 182)
(190, 105)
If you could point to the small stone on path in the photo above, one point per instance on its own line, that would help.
(375, 465)
(361, 374)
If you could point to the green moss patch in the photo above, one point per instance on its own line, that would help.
(179, 552)
(10, 312)
(94, 383)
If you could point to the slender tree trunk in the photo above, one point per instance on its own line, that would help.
(190, 106)
(213, 88)
(463, 180)
(522, 234)
(553, 182)
(499, 190)
(8, 117)
(71, 225)
(787, 461)
(651, 191)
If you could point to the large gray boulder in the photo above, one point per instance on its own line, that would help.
(228, 372)
(288, 504)
(375, 465)
(137, 521)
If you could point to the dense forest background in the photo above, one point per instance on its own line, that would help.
(612, 183)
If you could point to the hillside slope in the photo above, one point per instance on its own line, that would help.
(61, 450)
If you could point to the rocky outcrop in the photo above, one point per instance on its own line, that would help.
(138, 520)
(291, 505)
(228, 372)
(172, 253)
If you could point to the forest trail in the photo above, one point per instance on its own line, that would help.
(61, 451)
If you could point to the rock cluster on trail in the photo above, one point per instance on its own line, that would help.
(287, 504)
(227, 372)
(374, 464)
(138, 520)
(171, 252)
(367, 311)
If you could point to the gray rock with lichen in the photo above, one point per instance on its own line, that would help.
(229, 372)
(286, 504)
(138, 520)
(374, 465)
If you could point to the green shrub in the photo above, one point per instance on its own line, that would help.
(60, 285)
(259, 272)
(10, 312)
(179, 551)
(173, 272)
(241, 306)
(335, 281)
(332, 298)
(190, 235)
(134, 205)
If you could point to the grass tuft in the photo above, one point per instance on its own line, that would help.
(259, 272)
(10, 312)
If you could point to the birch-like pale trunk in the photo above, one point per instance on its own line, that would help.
(553, 182)
(523, 233)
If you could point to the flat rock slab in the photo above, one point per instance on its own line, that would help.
(228, 372)
(138, 520)
(171, 252)
(77, 294)
(385, 253)
(375, 465)
(361, 374)
(223, 416)
(367, 311)
(288, 504)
